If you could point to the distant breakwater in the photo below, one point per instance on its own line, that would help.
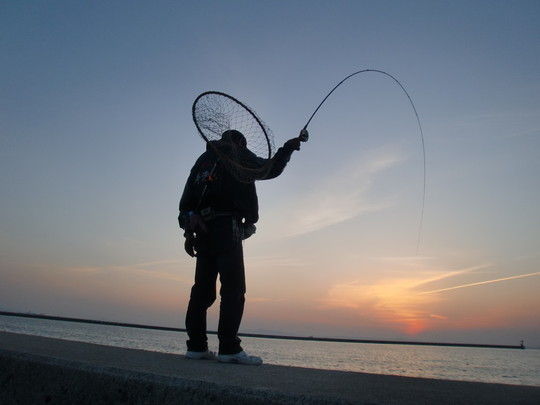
(259, 335)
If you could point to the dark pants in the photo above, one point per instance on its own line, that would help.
(218, 252)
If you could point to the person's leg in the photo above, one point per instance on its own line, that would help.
(230, 265)
(203, 295)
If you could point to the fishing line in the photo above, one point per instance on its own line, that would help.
(421, 137)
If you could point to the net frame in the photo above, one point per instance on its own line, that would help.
(215, 112)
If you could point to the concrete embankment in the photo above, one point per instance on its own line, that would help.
(42, 370)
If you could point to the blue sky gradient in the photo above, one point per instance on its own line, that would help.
(96, 141)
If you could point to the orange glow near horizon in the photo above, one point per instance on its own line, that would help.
(404, 305)
(391, 302)
(411, 299)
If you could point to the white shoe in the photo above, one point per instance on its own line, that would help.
(207, 355)
(240, 358)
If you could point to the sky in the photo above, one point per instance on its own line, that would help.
(97, 140)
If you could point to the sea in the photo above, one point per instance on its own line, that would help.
(508, 366)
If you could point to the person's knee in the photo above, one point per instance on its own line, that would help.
(232, 295)
(203, 296)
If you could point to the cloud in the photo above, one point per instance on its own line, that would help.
(395, 301)
(160, 269)
(390, 301)
(454, 273)
(342, 195)
(403, 259)
(507, 124)
(498, 280)
(407, 301)
(532, 132)
(274, 261)
(253, 300)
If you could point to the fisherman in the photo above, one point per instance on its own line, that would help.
(217, 212)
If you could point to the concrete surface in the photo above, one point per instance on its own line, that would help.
(43, 370)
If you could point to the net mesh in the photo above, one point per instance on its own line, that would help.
(213, 114)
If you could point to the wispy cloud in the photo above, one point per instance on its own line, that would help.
(502, 115)
(454, 273)
(157, 263)
(342, 195)
(507, 124)
(159, 269)
(498, 280)
(403, 259)
(263, 299)
(275, 261)
(396, 300)
(532, 132)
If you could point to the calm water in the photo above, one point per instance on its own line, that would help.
(456, 363)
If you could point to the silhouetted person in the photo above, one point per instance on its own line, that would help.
(217, 212)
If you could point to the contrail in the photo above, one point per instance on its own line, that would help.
(482, 282)
(454, 273)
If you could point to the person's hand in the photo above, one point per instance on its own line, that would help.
(304, 135)
(189, 246)
(292, 144)
(248, 230)
(196, 223)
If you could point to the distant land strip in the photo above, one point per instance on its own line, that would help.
(260, 335)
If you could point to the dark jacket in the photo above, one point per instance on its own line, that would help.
(223, 191)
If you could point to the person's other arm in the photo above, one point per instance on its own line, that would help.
(188, 219)
(188, 201)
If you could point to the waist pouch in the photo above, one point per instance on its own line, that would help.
(223, 234)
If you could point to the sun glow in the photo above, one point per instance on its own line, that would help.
(397, 302)
(392, 302)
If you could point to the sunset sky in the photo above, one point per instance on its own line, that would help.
(96, 142)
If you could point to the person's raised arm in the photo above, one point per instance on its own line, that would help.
(283, 155)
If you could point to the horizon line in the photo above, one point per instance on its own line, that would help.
(260, 335)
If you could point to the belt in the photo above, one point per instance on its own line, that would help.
(210, 213)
